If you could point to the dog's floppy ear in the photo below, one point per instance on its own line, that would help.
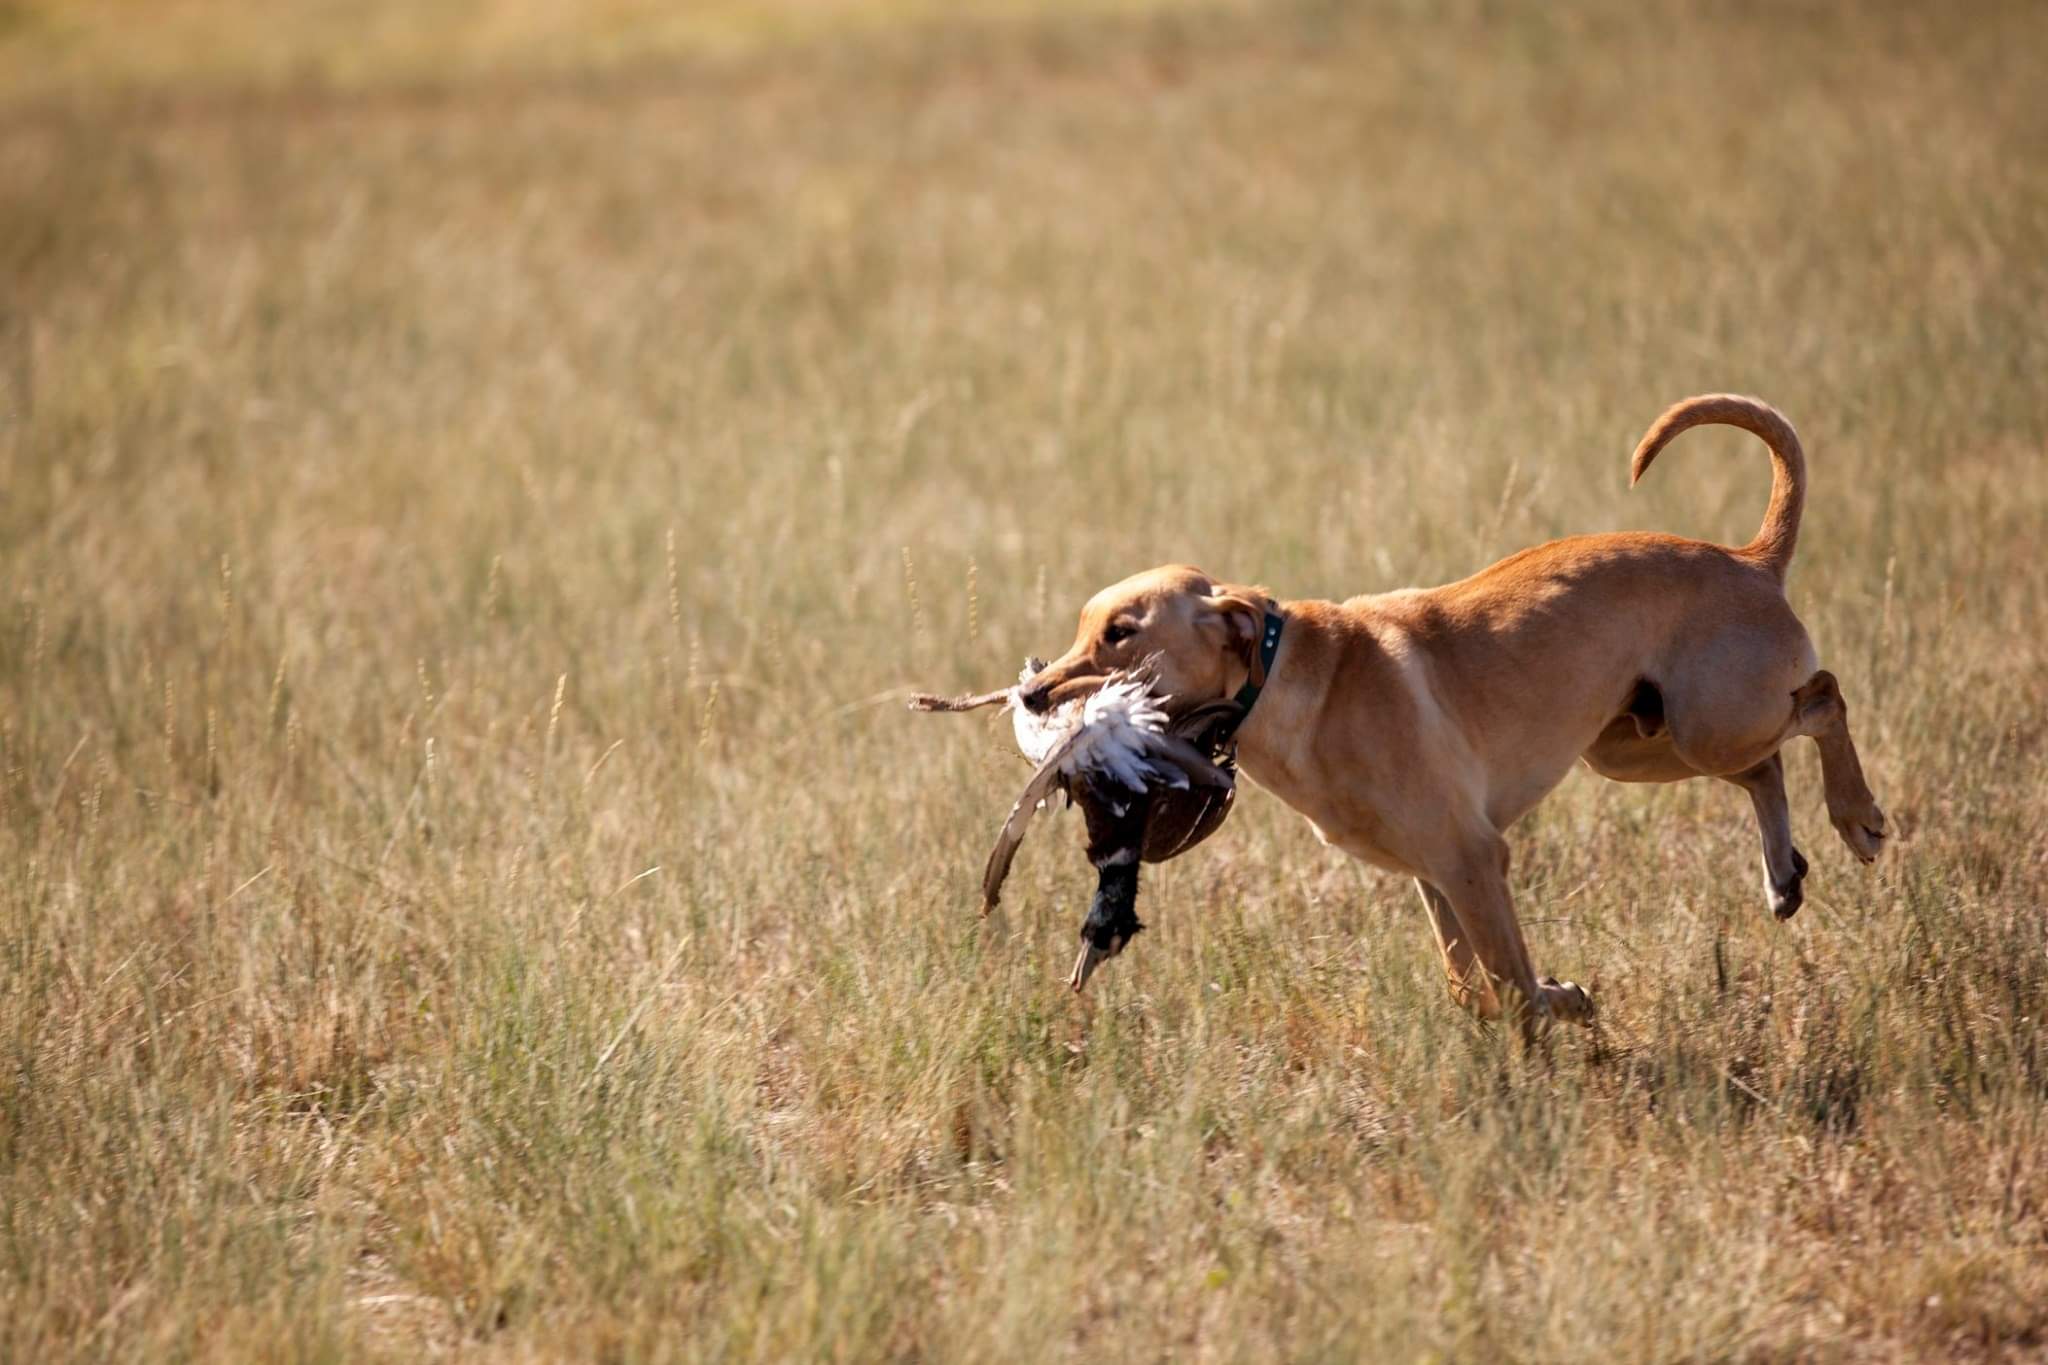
(1235, 621)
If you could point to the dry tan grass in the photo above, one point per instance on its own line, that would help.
(471, 886)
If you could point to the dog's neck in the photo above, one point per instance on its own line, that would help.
(1294, 691)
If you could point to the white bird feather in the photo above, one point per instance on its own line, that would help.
(1115, 732)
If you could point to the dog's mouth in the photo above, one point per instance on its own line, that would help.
(1045, 690)
(1053, 687)
(1064, 692)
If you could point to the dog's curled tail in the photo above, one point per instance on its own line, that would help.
(1780, 532)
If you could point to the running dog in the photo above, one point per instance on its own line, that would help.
(1413, 728)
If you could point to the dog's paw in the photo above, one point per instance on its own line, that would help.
(1864, 831)
(1786, 897)
(1566, 1000)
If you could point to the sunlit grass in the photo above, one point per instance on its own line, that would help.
(473, 888)
(73, 48)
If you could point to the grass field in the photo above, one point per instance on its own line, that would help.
(477, 481)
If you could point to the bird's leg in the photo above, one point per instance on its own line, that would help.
(926, 701)
(1114, 840)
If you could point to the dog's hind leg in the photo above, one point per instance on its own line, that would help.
(1784, 865)
(1818, 710)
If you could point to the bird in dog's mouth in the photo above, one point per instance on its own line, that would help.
(1150, 787)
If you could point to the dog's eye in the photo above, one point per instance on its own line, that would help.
(1118, 633)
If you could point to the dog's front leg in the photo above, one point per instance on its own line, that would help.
(1476, 883)
(1469, 983)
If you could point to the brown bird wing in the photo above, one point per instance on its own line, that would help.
(1180, 819)
(1192, 762)
(1199, 726)
(1044, 782)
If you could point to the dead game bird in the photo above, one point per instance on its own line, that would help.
(1149, 788)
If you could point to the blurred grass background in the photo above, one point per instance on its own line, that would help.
(479, 478)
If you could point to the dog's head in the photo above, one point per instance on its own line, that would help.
(1198, 637)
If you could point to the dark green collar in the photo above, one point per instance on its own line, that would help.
(1269, 646)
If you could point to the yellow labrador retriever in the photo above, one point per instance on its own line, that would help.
(1412, 728)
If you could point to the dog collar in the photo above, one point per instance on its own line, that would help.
(1269, 646)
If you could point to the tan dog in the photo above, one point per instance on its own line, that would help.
(1413, 728)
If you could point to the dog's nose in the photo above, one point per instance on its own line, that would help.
(1036, 698)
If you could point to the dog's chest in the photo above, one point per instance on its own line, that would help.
(1362, 845)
